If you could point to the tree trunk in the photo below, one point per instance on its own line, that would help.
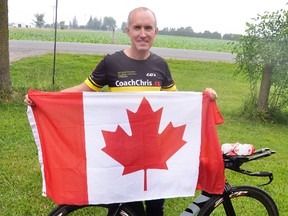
(262, 102)
(5, 82)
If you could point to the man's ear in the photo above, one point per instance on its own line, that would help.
(156, 31)
(126, 29)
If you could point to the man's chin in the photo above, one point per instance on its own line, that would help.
(143, 48)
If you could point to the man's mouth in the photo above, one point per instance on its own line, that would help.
(142, 41)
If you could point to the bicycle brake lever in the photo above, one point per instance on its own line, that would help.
(270, 175)
(260, 174)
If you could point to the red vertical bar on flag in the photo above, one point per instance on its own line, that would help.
(62, 138)
(211, 169)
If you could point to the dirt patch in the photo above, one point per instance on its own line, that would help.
(17, 55)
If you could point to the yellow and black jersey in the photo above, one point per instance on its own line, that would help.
(122, 73)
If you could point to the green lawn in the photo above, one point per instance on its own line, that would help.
(20, 175)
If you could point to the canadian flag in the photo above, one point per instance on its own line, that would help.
(100, 148)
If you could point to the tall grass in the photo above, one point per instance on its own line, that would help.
(20, 175)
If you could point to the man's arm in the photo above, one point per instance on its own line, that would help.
(79, 88)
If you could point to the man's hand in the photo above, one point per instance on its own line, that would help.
(28, 101)
(213, 94)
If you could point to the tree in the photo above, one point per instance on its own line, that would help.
(231, 36)
(39, 22)
(94, 24)
(262, 56)
(97, 23)
(5, 82)
(89, 24)
(74, 24)
(109, 23)
(123, 27)
(62, 25)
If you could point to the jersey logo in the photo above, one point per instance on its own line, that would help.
(133, 82)
(126, 74)
(157, 83)
(150, 74)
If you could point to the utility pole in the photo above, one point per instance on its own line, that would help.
(55, 39)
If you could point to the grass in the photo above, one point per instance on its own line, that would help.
(105, 37)
(20, 175)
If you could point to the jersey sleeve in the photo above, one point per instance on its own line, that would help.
(168, 84)
(97, 79)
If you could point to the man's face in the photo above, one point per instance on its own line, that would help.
(142, 30)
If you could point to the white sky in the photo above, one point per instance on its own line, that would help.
(223, 16)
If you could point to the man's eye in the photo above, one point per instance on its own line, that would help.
(137, 28)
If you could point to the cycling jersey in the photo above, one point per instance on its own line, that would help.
(122, 73)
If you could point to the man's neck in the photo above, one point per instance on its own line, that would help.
(137, 55)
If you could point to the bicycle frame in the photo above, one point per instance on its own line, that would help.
(229, 209)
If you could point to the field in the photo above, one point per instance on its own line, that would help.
(20, 174)
(101, 37)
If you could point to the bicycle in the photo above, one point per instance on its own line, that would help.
(241, 200)
(232, 202)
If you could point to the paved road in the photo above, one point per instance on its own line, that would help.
(20, 49)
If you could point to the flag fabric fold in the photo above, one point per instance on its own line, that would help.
(99, 148)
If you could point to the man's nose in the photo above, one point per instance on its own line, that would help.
(143, 32)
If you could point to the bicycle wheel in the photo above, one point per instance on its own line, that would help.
(246, 201)
(62, 210)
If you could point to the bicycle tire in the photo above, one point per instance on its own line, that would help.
(62, 210)
(246, 200)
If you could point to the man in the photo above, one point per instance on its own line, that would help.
(133, 69)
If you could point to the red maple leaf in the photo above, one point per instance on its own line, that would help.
(145, 148)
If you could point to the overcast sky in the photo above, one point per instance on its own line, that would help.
(223, 16)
